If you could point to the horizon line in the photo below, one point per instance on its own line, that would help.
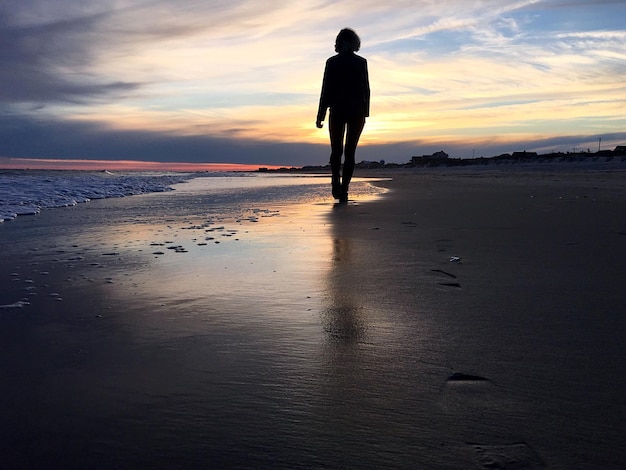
(16, 163)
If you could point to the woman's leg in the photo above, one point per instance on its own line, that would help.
(354, 129)
(336, 129)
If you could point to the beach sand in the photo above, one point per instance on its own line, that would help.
(464, 319)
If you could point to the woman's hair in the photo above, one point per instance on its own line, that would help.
(347, 41)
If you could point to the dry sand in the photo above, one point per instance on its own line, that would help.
(466, 319)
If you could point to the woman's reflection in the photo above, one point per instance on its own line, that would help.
(341, 316)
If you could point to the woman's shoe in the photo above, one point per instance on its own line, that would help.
(343, 197)
(336, 183)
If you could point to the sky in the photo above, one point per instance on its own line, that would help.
(236, 81)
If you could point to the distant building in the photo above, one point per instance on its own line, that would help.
(370, 164)
(524, 154)
(435, 156)
(620, 149)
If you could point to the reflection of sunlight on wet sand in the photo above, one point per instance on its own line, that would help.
(268, 271)
(185, 266)
(341, 316)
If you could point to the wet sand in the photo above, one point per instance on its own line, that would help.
(464, 320)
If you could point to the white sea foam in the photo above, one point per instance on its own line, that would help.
(29, 192)
(14, 305)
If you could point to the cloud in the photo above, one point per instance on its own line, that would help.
(48, 62)
(52, 139)
(221, 76)
(49, 58)
(36, 138)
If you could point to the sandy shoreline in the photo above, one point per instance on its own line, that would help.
(325, 336)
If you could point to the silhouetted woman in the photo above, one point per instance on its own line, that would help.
(346, 91)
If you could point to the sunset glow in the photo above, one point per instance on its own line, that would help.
(121, 165)
(239, 81)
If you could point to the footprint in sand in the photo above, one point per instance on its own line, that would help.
(476, 406)
(467, 395)
(444, 244)
(513, 456)
(448, 275)
(460, 377)
(471, 400)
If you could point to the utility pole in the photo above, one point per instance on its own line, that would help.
(599, 143)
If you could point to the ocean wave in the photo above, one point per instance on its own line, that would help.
(25, 192)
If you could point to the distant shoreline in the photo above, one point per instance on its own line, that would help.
(617, 156)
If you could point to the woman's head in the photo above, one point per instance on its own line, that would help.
(347, 41)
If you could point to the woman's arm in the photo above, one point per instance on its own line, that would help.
(324, 99)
